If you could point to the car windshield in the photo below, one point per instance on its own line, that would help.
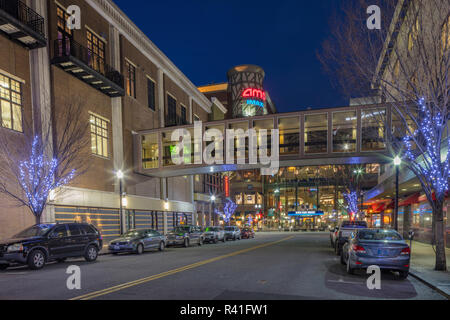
(229, 228)
(34, 231)
(354, 224)
(379, 235)
(133, 233)
(181, 229)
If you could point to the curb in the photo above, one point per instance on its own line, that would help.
(430, 285)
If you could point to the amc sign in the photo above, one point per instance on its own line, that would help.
(254, 94)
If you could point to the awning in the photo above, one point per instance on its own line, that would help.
(414, 198)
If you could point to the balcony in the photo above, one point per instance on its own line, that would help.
(88, 67)
(21, 24)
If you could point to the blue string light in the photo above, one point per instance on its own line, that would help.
(433, 168)
(228, 210)
(39, 176)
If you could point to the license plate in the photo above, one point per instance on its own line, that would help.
(383, 252)
(116, 248)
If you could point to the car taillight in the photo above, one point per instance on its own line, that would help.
(406, 252)
(358, 249)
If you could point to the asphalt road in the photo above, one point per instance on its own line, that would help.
(288, 266)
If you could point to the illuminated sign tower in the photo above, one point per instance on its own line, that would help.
(246, 91)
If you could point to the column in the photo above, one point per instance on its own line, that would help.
(41, 94)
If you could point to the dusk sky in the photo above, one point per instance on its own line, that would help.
(205, 38)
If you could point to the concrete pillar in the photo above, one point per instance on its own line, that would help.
(41, 94)
(165, 223)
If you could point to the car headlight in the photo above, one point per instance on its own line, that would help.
(15, 247)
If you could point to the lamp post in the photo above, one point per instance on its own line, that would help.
(213, 213)
(397, 163)
(119, 175)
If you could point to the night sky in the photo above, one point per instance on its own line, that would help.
(205, 38)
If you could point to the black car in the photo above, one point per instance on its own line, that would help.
(49, 242)
(185, 236)
(138, 241)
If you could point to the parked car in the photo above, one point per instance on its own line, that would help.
(343, 231)
(185, 236)
(214, 234)
(297, 228)
(138, 241)
(247, 233)
(42, 243)
(383, 248)
(233, 233)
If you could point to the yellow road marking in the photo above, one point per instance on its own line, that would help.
(126, 285)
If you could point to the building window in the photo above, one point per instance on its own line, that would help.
(11, 103)
(344, 131)
(150, 151)
(316, 133)
(446, 35)
(96, 52)
(151, 94)
(413, 34)
(99, 136)
(171, 110)
(183, 115)
(131, 79)
(64, 33)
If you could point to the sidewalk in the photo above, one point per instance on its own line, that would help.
(422, 267)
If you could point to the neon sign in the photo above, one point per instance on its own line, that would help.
(256, 103)
(254, 93)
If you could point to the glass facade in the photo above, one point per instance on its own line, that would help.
(316, 133)
(238, 146)
(373, 129)
(289, 135)
(344, 131)
(150, 151)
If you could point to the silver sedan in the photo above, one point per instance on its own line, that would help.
(383, 248)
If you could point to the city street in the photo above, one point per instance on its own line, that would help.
(289, 266)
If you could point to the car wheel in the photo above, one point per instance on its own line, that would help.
(36, 260)
(223, 239)
(350, 270)
(186, 243)
(115, 253)
(91, 253)
(234, 238)
(140, 249)
(403, 275)
(337, 248)
(4, 266)
(62, 260)
(216, 240)
(200, 242)
(162, 246)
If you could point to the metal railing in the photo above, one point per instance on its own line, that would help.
(24, 14)
(69, 47)
(175, 121)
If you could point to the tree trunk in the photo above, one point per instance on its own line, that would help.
(38, 218)
(439, 229)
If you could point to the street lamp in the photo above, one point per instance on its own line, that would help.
(119, 175)
(397, 163)
(213, 207)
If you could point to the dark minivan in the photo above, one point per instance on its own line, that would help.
(49, 242)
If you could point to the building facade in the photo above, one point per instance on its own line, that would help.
(124, 83)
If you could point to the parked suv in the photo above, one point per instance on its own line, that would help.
(48, 242)
(214, 234)
(232, 233)
(185, 235)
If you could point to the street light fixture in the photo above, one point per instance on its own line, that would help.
(397, 163)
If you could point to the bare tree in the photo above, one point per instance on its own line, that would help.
(45, 157)
(407, 64)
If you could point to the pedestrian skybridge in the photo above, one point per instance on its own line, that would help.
(347, 135)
